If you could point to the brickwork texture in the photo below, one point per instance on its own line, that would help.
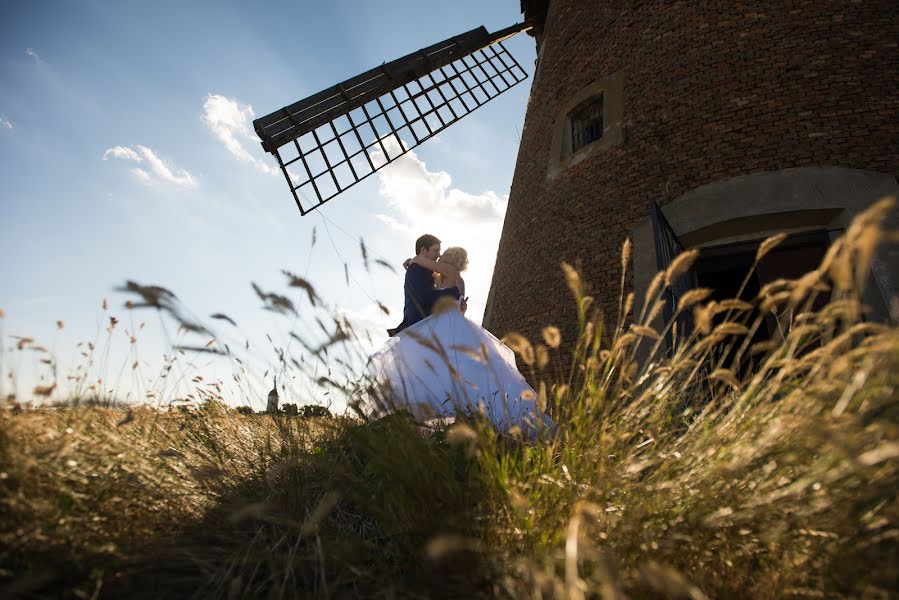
(712, 90)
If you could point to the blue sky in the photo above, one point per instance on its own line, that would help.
(126, 152)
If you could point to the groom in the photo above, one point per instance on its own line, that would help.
(419, 286)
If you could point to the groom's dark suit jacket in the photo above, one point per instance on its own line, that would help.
(420, 296)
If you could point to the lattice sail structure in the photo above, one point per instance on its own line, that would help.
(334, 139)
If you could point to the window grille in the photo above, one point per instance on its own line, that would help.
(334, 139)
(586, 123)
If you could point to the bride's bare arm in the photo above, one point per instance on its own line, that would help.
(445, 269)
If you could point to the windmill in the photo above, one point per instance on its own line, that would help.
(332, 140)
(272, 405)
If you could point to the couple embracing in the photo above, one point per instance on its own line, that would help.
(431, 276)
(437, 362)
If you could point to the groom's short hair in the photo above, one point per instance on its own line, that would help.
(425, 241)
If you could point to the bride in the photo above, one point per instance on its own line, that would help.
(446, 364)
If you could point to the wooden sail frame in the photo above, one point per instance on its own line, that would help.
(332, 140)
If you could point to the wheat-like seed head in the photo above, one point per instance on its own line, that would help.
(655, 310)
(693, 296)
(768, 245)
(521, 346)
(841, 273)
(732, 304)
(803, 286)
(645, 331)
(702, 317)
(865, 246)
(681, 263)
(628, 304)
(623, 342)
(552, 336)
(653, 288)
(572, 280)
(730, 328)
(773, 300)
(625, 254)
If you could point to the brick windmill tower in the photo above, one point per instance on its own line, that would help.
(706, 125)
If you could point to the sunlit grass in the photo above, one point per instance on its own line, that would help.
(725, 469)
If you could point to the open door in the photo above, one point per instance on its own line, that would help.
(668, 246)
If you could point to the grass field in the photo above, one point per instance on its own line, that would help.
(727, 470)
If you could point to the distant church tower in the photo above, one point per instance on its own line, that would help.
(739, 120)
(272, 406)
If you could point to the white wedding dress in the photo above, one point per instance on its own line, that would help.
(446, 364)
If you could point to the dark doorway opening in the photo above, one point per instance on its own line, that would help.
(724, 268)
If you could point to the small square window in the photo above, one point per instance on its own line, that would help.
(586, 123)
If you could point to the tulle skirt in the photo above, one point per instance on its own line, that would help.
(446, 364)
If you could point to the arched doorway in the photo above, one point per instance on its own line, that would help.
(727, 219)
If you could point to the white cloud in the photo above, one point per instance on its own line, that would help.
(5, 123)
(33, 54)
(159, 171)
(423, 201)
(230, 121)
(422, 195)
(394, 224)
(178, 177)
(123, 153)
(142, 176)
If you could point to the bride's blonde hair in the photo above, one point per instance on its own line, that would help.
(455, 256)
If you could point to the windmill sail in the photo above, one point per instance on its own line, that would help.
(334, 139)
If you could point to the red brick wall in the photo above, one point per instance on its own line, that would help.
(712, 90)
